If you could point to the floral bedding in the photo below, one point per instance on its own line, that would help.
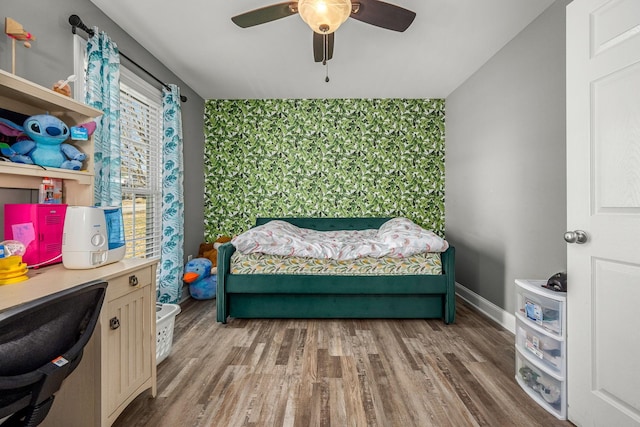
(255, 263)
(396, 238)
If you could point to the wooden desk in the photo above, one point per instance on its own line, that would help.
(118, 364)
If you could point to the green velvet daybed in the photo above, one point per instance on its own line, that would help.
(331, 296)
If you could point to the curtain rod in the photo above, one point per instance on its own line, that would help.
(76, 22)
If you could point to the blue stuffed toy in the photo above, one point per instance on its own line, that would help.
(202, 284)
(40, 142)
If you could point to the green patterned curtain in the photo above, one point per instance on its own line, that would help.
(103, 93)
(171, 258)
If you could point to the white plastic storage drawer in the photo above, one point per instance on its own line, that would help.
(541, 310)
(543, 387)
(550, 351)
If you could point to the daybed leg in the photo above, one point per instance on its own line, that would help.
(221, 310)
(449, 309)
(448, 264)
(224, 263)
(449, 313)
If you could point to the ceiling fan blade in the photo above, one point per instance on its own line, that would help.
(318, 46)
(384, 15)
(265, 14)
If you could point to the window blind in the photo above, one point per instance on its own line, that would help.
(141, 172)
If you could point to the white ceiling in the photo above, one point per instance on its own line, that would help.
(447, 42)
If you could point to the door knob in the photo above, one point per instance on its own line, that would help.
(577, 236)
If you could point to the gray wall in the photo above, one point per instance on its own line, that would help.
(505, 207)
(51, 59)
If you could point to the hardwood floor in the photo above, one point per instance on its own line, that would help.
(337, 373)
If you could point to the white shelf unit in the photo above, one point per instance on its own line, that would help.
(22, 96)
(541, 345)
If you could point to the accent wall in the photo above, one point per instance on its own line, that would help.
(323, 157)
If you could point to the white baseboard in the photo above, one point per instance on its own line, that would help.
(495, 313)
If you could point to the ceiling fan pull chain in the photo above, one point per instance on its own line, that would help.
(324, 49)
(325, 53)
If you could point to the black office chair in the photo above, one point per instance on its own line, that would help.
(41, 343)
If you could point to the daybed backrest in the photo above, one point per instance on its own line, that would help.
(328, 224)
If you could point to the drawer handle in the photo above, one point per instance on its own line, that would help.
(133, 280)
(114, 323)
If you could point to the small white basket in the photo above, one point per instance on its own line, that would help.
(165, 320)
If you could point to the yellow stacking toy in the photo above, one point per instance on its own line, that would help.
(12, 270)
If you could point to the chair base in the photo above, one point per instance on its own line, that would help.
(30, 416)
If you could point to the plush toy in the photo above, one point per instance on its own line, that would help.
(202, 284)
(40, 142)
(210, 251)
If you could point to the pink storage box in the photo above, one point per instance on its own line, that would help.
(39, 227)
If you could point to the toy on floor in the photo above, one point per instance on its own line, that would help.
(40, 142)
(210, 251)
(202, 284)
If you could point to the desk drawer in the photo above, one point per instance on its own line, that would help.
(121, 285)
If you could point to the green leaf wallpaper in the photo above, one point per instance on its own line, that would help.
(323, 157)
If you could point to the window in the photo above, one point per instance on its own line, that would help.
(141, 172)
(141, 156)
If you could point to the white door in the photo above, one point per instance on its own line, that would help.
(603, 199)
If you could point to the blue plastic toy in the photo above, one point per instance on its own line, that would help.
(202, 284)
(40, 142)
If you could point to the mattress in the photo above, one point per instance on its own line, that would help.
(256, 263)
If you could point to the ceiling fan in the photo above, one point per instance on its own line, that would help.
(325, 16)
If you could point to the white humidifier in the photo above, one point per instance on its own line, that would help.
(92, 237)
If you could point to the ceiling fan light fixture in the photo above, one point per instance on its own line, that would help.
(324, 16)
